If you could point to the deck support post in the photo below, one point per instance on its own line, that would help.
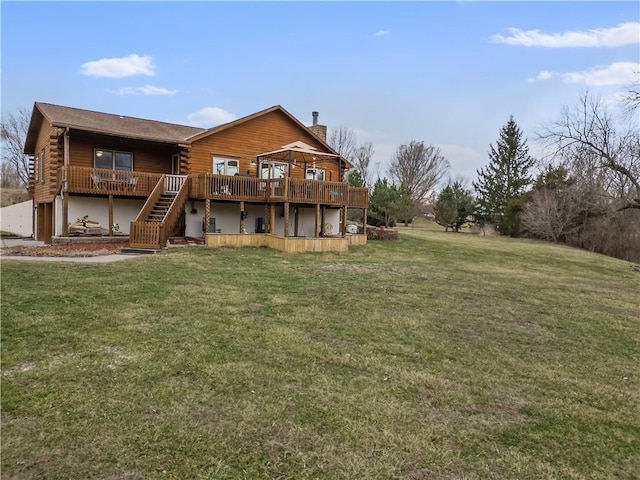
(65, 213)
(286, 219)
(322, 222)
(272, 219)
(207, 214)
(364, 221)
(296, 211)
(267, 218)
(242, 227)
(110, 215)
(344, 221)
(317, 230)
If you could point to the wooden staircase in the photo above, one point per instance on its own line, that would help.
(160, 214)
(161, 207)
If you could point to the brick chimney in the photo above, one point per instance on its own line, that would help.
(319, 131)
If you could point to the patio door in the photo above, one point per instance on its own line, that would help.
(175, 164)
(273, 171)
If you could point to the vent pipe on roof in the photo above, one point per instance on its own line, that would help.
(319, 131)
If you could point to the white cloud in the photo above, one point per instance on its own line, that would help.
(209, 117)
(120, 67)
(382, 33)
(624, 34)
(543, 75)
(146, 90)
(615, 100)
(619, 73)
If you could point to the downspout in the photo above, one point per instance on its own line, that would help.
(66, 158)
(65, 184)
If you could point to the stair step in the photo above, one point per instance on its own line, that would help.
(138, 251)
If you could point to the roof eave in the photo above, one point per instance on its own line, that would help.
(172, 141)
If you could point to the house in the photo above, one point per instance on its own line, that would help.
(262, 180)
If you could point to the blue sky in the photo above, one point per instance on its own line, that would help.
(447, 73)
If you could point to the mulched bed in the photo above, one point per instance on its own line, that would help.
(80, 250)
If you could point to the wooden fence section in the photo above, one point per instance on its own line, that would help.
(108, 182)
(285, 244)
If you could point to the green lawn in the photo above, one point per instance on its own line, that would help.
(442, 356)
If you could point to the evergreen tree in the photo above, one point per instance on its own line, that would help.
(453, 206)
(504, 180)
(354, 179)
(388, 204)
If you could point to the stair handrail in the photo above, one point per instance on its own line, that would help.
(171, 217)
(151, 201)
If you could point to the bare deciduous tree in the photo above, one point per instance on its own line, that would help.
(631, 98)
(362, 163)
(8, 176)
(343, 141)
(602, 154)
(589, 133)
(418, 168)
(13, 132)
(553, 215)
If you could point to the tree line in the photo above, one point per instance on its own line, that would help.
(584, 192)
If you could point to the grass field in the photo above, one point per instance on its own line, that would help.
(442, 356)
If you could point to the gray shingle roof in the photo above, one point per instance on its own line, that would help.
(117, 125)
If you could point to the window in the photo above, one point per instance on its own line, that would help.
(225, 166)
(112, 160)
(41, 166)
(314, 174)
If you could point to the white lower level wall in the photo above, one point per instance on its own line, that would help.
(227, 219)
(125, 210)
(226, 215)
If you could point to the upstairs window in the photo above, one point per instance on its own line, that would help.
(112, 160)
(225, 166)
(314, 174)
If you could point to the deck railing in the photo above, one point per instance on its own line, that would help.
(236, 188)
(108, 182)
(216, 187)
(177, 207)
(230, 187)
(317, 191)
(358, 197)
(146, 234)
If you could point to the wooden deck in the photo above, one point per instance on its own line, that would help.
(95, 181)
